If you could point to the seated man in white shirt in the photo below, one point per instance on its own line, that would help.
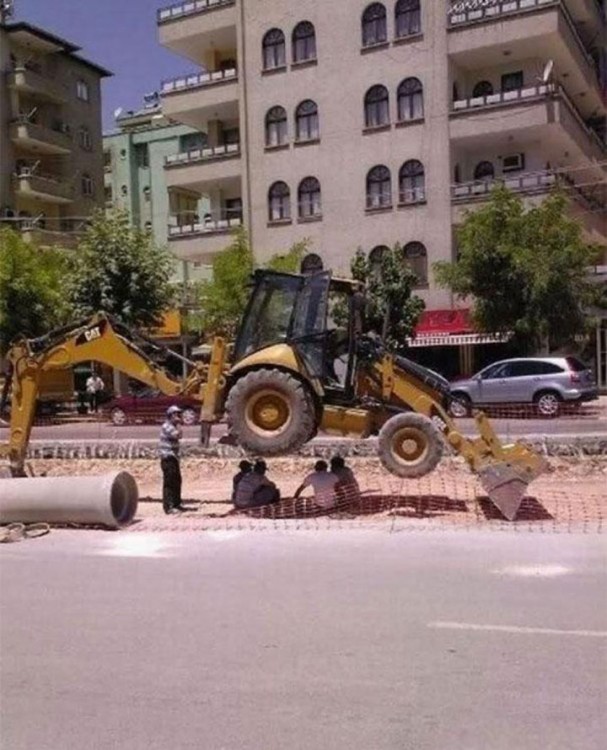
(255, 489)
(324, 485)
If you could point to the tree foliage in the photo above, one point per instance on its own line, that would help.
(525, 269)
(392, 308)
(118, 269)
(224, 298)
(32, 297)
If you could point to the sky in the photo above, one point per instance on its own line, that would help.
(120, 35)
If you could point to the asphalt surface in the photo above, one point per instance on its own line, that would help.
(285, 641)
(507, 428)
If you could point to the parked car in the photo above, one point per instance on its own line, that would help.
(148, 405)
(546, 382)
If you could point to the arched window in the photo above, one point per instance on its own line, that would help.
(412, 182)
(484, 170)
(279, 201)
(377, 107)
(304, 42)
(306, 121)
(416, 256)
(308, 198)
(274, 50)
(87, 185)
(482, 88)
(374, 25)
(277, 131)
(379, 187)
(410, 100)
(375, 259)
(312, 263)
(408, 18)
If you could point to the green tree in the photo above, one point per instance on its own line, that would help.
(32, 297)
(119, 269)
(223, 299)
(392, 308)
(524, 269)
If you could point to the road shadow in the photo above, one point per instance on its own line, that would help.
(530, 510)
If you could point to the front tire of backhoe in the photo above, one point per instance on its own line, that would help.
(270, 413)
(410, 446)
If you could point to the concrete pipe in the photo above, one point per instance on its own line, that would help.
(108, 500)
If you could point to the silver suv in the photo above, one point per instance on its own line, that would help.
(546, 382)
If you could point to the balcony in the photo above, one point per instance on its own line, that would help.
(29, 81)
(193, 99)
(43, 231)
(202, 167)
(49, 188)
(527, 183)
(46, 140)
(201, 241)
(544, 112)
(526, 30)
(191, 28)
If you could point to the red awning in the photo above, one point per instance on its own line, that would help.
(444, 323)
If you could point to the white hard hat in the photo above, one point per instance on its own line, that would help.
(173, 410)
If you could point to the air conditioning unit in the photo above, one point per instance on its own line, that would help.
(513, 163)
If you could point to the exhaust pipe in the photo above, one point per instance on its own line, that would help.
(109, 500)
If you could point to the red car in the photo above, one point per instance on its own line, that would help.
(148, 405)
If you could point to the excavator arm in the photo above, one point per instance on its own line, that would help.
(102, 340)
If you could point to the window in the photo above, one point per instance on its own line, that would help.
(124, 190)
(84, 138)
(412, 182)
(147, 192)
(304, 42)
(148, 226)
(142, 155)
(408, 18)
(482, 88)
(374, 25)
(375, 259)
(233, 208)
(87, 185)
(82, 90)
(306, 117)
(512, 81)
(191, 142)
(107, 159)
(107, 194)
(484, 171)
(379, 188)
(377, 107)
(274, 50)
(410, 100)
(279, 200)
(417, 258)
(308, 197)
(312, 263)
(277, 132)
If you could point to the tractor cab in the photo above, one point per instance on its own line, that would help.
(318, 316)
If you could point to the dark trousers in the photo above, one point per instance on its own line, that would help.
(94, 402)
(171, 483)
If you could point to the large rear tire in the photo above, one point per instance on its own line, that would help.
(270, 413)
(410, 446)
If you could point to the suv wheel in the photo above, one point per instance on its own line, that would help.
(548, 403)
(118, 417)
(460, 406)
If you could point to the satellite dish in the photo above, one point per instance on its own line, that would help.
(117, 112)
(547, 72)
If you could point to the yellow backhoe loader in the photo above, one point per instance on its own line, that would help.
(292, 372)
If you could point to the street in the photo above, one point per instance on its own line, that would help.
(233, 640)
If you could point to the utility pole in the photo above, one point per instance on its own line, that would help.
(7, 10)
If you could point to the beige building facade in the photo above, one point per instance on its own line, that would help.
(358, 124)
(51, 153)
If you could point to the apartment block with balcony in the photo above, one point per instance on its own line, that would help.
(50, 134)
(364, 124)
(136, 178)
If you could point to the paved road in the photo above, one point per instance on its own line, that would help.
(292, 641)
(595, 425)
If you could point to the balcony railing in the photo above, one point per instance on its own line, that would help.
(411, 196)
(206, 226)
(529, 182)
(475, 11)
(504, 97)
(181, 10)
(203, 154)
(197, 80)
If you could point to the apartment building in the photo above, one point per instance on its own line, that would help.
(50, 134)
(363, 124)
(138, 155)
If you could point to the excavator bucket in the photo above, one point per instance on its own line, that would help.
(506, 481)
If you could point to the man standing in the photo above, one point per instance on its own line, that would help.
(94, 389)
(170, 435)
